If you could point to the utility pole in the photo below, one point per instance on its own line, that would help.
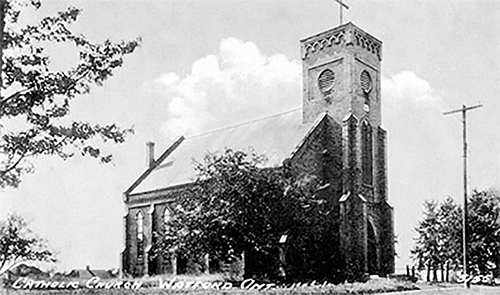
(464, 110)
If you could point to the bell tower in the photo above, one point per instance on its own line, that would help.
(341, 74)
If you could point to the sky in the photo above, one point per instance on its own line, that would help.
(206, 64)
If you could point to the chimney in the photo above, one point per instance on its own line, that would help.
(150, 153)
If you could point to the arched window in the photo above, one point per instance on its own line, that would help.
(167, 215)
(366, 86)
(140, 226)
(367, 156)
(139, 222)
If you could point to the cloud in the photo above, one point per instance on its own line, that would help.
(422, 141)
(406, 86)
(238, 84)
(412, 111)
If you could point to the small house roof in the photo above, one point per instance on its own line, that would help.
(277, 137)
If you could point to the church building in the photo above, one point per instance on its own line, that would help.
(336, 136)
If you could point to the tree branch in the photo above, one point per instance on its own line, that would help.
(14, 263)
(15, 94)
(76, 78)
(3, 172)
(26, 155)
(2, 265)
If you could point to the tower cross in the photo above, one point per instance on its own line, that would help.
(342, 5)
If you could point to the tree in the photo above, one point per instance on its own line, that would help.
(236, 207)
(440, 233)
(38, 98)
(450, 232)
(19, 244)
(428, 245)
(484, 230)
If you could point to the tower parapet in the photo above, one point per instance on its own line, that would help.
(347, 34)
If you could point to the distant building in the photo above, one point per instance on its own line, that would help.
(336, 136)
(24, 270)
(88, 273)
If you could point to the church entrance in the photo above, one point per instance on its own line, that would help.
(372, 250)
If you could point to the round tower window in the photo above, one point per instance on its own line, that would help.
(366, 82)
(325, 81)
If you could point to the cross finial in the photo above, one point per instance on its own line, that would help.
(342, 5)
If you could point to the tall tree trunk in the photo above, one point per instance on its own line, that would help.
(442, 273)
(428, 272)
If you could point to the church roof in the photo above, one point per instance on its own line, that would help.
(277, 137)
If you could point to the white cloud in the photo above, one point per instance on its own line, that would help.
(407, 86)
(236, 85)
(412, 111)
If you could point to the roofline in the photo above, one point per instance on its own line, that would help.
(309, 133)
(174, 146)
(152, 167)
(162, 190)
(177, 187)
(338, 28)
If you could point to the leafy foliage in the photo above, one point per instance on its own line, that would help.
(39, 98)
(484, 230)
(19, 244)
(236, 207)
(450, 227)
(440, 233)
(429, 243)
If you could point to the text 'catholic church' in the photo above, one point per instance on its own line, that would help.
(338, 129)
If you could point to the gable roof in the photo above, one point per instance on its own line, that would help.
(277, 137)
(88, 273)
